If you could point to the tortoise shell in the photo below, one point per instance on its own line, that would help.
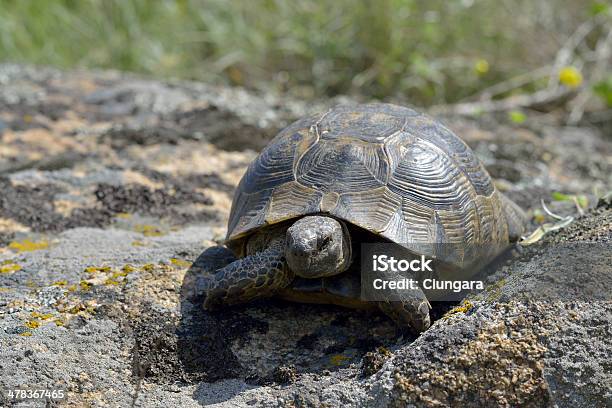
(385, 168)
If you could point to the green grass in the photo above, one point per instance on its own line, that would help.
(424, 51)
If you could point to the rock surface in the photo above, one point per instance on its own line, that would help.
(114, 190)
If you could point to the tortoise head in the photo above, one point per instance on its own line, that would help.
(318, 246)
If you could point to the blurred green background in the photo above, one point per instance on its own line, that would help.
(427, 52)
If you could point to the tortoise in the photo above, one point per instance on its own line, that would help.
(299, 210)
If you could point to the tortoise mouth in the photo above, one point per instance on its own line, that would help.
(315, 262)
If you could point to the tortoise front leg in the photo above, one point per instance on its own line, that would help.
(255, 276)
(515, 217)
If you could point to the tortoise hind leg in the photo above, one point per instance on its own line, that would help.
(255, 276)
(408, 313)
(408, 308)
(516, 218)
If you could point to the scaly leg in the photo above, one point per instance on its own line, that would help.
(408, 308)
(255, 276)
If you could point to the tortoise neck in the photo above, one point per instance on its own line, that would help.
(347, 245)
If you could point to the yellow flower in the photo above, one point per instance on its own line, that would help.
(481, 66)
(570, 77)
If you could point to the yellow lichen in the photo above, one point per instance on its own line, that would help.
(32, 324)
(27, 245)
(128, 268)
(148, 267)
(41, 316)
(59, 283)
(85, 286)
(111, 281)
(138, 243)
(338, 359)
(125, 216)
(10, 268)
(464, 307)
(88, 307)
(94, 269)
(91, 310)
(149, 230)
(72, 288)
(59, 322)
(75, 309)
(181, 263)
(25, 334)
(119, 275)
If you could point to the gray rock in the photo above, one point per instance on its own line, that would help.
(101, 248)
